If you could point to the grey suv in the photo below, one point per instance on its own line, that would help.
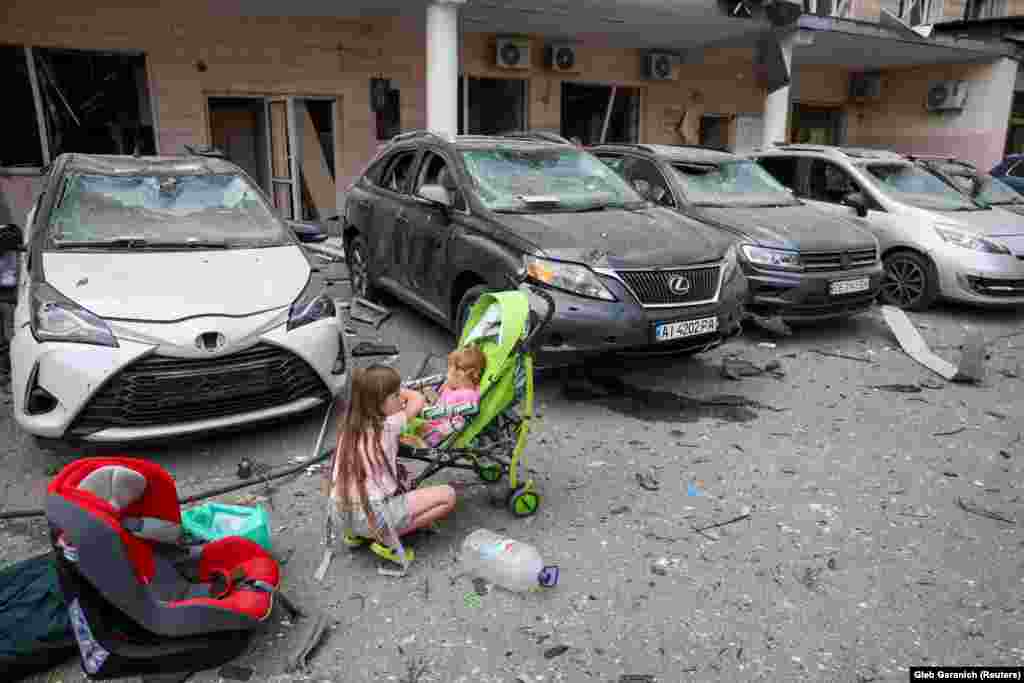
(436, 220)
(801, 262)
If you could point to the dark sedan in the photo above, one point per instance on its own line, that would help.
(801, 263)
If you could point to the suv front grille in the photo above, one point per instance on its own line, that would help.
(159, 390)
(838, 260)
(652, 288)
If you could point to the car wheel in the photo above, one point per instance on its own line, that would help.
(359, 267)
(909, 281)
(467, 301)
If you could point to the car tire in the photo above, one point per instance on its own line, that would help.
(909, 281)
(356, 259)
(465, 303)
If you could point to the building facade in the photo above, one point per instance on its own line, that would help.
(302, 94)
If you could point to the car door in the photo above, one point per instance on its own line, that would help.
(388, 211)
(427, 229)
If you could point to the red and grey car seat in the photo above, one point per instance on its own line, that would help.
(140, 599)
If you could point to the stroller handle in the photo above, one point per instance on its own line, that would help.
(515, 282)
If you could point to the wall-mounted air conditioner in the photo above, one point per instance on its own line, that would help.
(866, 85)
(947, 96)
(659, 66)
(562, 57)
(512, 53)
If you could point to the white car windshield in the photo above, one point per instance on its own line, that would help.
(731, 183)
(159, 211)
(521, 180)
(988, 190)
(913, 185)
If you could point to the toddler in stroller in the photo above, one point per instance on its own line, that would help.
(457, 400)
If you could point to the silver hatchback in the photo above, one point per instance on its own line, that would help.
(936, 241)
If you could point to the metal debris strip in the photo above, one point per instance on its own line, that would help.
(982, 512)
(914, 345)
(368, 312)
(836, 354)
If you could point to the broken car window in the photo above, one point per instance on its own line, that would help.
(731, 183)
(219, 208)
(508, 179)
(912, 184)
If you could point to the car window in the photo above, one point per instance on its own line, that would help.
(907, 182)
(545, 179)
(648, 181)
(434, 171)
(783, 169)
(991, 190)
(613, 161)
(828, 182)
(163, 208)
(1018, 170)
(739, 182)
(396, 174)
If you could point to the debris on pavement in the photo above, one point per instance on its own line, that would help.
(836, 354)
(244, 469)
(972, 359)
(773, 324)
(365, 348)
(951, 432)
(898, 388)
(368, 312)
(740, 518)
(737, 368)
(324, 564)
(768, 345)
(314, 626)
(555, 651)
(647, 481)
(929, 383)
(982, 512)
(914, 344)
(235, 673)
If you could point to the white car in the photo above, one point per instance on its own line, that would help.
(159, 297)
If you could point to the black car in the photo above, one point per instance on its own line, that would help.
(801, 263)
(437, 220)
(966, 178)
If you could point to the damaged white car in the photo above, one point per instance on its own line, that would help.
(159, 297)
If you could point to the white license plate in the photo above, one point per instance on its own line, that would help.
(861, 284)
(685, 328)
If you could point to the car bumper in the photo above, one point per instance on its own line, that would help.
(584, 327)
(980, 278)
(138, 391)
(805, 296)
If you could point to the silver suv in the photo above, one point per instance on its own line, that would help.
(935, 240)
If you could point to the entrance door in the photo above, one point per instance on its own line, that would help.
(600, 113)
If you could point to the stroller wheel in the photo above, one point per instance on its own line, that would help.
(491, 472)
(523, 503)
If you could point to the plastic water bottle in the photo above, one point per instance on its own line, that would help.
(506, 562)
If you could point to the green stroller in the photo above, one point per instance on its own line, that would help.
(492, 441)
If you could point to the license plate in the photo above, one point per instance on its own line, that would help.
(685, 328)
(861, 284)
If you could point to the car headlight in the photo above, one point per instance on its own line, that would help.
(572, 277)
(772, 258)
(729, 268)
(312, 305)
(57, 318)
(956, 236)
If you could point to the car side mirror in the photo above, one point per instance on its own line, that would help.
(307, 232)
(437, 194)
(857, 201)
(11, 238)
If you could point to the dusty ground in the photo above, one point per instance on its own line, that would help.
(854, 564)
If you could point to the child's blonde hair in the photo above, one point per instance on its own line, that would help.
(469, 360)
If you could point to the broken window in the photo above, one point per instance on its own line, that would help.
(491, 105)
(600, 113)
(95, 103)
(22, 148)
(386, 103)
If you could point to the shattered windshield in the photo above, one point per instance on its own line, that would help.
(161, 211)
(912, 184)
(547, 179)
(731, 183)
(989, 190)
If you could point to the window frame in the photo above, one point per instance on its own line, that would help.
(669, 189)
(830, 162)
(42, 126)
(459, 202)
(392, 159)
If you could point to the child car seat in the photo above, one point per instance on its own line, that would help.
(140, 600)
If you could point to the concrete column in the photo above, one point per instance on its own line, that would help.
(443, 65)
(776, 104)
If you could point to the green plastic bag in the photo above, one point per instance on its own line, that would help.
(212, 521)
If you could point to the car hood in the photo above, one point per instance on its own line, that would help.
(612, 238)
(993, 222)
(168, 286)
(800, 228)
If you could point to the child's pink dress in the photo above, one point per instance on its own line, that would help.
(449, 414)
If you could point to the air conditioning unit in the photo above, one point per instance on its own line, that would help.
(561, 57)
(866, 85)
(947, 96)
(659, 66)
(513, 53)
